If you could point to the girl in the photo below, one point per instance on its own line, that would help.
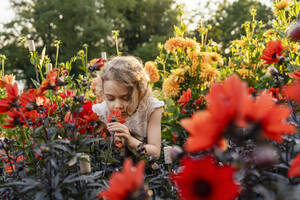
(123, 84)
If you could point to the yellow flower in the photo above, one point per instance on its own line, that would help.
(283, 4)
(7, 79)
(269, 32)
(245, 73)
(178, 74)
(170, 87)
(209, 74)
(180, 43)
(240, 43)
(152, 71)
(216, 58)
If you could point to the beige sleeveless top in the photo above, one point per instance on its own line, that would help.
(138, 121)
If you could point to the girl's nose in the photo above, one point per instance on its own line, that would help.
(118, 105)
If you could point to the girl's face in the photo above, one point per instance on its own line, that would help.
(118, 96)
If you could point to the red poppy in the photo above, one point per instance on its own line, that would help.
(28, 99)
(10, 101)
(85, 117)
(123, 184)
(292, 91)
(185, 98)
(295, 74)
(270, 116)
(204, 180)
(115, 115)
(295, 167)
(272, 53)
(203, 131)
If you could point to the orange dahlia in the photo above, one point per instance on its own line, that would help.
(152, 71)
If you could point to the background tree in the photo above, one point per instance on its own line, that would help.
(226, 21)
(142, 25)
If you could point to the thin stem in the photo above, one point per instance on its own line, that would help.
(2, 74)
(57, 51)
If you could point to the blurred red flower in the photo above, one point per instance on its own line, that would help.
(292, 91)
(295, 167)
(272, 53)
(270, 116)
(123, 184)
(204, 180)
(295, 74)
(185, 98)
(6, 104)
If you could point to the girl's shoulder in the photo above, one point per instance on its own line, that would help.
(101, 110)
(150, 104)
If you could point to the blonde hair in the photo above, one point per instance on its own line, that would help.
(129, 71)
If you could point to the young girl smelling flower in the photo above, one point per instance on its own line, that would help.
(123, 84)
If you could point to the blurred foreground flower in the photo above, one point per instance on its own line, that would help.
(204, 180)
(127, 184)
(295, 167)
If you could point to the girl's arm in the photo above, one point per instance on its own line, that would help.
(153, 135)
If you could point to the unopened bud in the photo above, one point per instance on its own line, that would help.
(264, 156)
(167, 154)
(103, 56)
(61, 81)
(176, 153)
(272, 71)
(85, 164)
(48, 67)
(294, 32)
(31, 45)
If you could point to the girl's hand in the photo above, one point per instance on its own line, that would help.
(120, 130)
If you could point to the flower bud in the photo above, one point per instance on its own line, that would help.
(294, 32)
(85, 164)
(31, 45)
(264, 156)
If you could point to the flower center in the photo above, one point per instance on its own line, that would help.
(202, 188)
(274, 56)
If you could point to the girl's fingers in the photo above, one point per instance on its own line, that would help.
(121, 135)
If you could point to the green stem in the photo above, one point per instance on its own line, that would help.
(2, 74)
(57, 50)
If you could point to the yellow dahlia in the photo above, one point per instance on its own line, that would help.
(245, 73)
(209, 74)
(216, 58)
(178, 74)
(152, 71)
(175, 43)
(269, 32)
(283, 4)
(171, 87)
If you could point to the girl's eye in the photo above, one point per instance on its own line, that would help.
(126, 98)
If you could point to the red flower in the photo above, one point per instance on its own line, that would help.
(115, 115)
(123, 184)
(85, 117)
(49, 83)
(97, 64)
(272, 53)
(252, 91)
(6, 104)
(203, 132)
(292, 91)
(68, 118)
(270, 116)
(295, 74)
(68, 93)
(14, 119)
(205, 180)
(174, 135)
(295, 167)
(185, 98)
(226, 101)
(28, 99)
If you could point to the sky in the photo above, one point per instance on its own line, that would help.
(6, 12)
